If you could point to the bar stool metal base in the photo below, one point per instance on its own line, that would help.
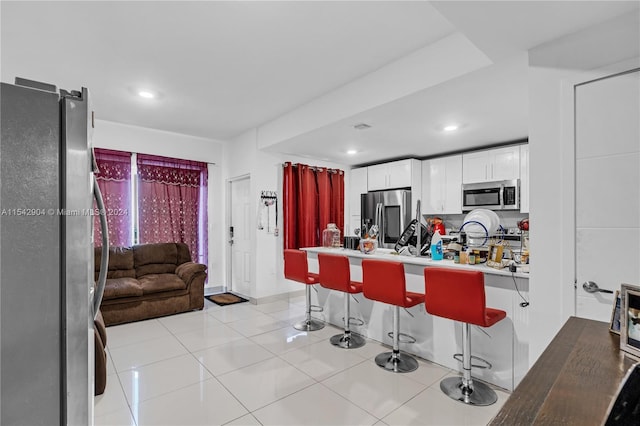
(401, 363)
(309, 325)
(347, 341)
(480, 394)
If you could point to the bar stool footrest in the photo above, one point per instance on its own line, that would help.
(487, 365)
(407, 338)
(316, 308)
(354, 321)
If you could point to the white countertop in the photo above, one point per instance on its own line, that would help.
(389, 254)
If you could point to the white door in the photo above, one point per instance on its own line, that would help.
(239, 237)
(607, 150)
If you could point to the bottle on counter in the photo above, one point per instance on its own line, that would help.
(331, 236)
(436, 247)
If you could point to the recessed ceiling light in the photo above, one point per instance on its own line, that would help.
(146, 94)
(450, 128)
(352, 152)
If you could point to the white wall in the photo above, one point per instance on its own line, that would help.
(243, 158)
(125, 137)
(554, 69)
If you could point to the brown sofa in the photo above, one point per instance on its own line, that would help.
(100, 338)
(150, 280)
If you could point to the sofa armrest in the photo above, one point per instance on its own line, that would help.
(187, 271)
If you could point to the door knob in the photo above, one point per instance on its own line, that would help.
(591, 287)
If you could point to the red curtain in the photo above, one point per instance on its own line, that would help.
(172, 196)
(114, 181)
(312, 198)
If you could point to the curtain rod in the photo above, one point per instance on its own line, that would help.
(315, 168)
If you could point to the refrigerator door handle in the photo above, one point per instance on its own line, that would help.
(104, 259)
(380, 223)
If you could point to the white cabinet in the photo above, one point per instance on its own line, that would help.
(357, 186)
(492, 164)
(396, 174)
(441, 185)
(524, 178)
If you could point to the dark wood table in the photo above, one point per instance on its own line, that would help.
(573, 381)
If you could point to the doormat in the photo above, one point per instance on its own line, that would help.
(224, 299)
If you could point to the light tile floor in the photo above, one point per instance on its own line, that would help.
(245, 364)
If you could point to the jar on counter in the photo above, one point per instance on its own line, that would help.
(331, 236)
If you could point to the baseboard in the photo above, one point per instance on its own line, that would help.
(208, 291)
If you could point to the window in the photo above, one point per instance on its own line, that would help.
(169, 201)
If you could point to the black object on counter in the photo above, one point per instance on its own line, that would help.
(351, 243)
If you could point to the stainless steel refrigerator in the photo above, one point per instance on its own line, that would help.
(389, 210)
(47, 293)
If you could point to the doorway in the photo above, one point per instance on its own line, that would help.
(239, 236)
(607, 191)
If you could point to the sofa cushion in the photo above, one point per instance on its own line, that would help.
(158, 258)
(156, 283)
(122, 287)
(120, 262)
(184, 255)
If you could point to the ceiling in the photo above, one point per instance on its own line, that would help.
(222, 68)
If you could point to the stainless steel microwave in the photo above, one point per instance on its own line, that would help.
(497, 195)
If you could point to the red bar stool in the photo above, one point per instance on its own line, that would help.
(335, 275)
(384, 281)
(296, 269)
(459, 295)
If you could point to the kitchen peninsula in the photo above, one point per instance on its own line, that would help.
(504, 346)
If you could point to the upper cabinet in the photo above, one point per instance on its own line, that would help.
(357, 186)
(492, 164)
(524, 178)
(441, 185)
(396, 174)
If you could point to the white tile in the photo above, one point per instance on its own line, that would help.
(326, 332)
(247, 420)
(135, 332)
(190, 321)
(433, 407)
(146, 352)
(203, 403)
(236, 312)
(428, 373)
(315, 405)
(112, 400)
(265, 382)
(232, 356)
(208, 337)
(284, 339)
(377, 391)
(291, 315)
(117, 418)
(371, 349)
(257, 325)
(162, 377)
(322, 360)
(277, 306)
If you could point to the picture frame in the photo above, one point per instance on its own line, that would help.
(614, 323)
(630, 319)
